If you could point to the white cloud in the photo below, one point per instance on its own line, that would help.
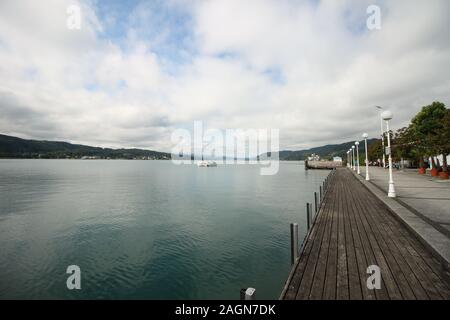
(309, 68)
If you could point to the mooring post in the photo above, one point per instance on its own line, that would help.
(308, 216)
(248, 294)
(315, 202)
(321, 193)
(294, 242)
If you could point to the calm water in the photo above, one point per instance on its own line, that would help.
(147, 229)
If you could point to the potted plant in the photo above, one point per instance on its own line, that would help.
(434, 172)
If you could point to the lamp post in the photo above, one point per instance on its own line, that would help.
(347, 159)
(365, 136)
(353, 157)
(357, 157)
(387, 115)
(382, 135)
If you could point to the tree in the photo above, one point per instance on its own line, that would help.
(402, 145)
(425, 127)
(407, 145)
(442, 139)
(375, 150)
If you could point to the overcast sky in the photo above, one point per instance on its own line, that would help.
(138, 70)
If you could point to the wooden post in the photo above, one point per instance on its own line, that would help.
(294, 242)
(308, 216)
(321, 194)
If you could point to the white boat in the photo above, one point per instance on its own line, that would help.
(205, 163)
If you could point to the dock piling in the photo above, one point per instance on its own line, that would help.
(294, 242)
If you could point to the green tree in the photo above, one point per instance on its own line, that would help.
(375, 151)
(442, 139)
(424, 129)
(405, 145)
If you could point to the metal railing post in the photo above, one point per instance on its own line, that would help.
(315, 202)
(308, 216)
(294, 242)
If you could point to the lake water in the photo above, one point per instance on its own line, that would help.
(148, 229)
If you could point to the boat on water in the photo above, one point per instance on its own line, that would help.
(205, 163)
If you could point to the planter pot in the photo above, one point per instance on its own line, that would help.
(434, 172)
(422, 170)
(443, 175)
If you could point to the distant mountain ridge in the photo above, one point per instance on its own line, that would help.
(13, 147)
(327, 151)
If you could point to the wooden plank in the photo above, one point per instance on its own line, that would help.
(300, 268)
(319, 278)
(329, 291)
(393, 240)
(386, 273)
(342, 290)
(354, 276)
(353, 230)
(417, 258)
(355, 212)
(310, 268)
(395, 265)
(359, 251)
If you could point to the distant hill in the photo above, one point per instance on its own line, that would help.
(13, 147)
(325, 152)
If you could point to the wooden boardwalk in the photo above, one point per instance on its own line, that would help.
(352, 231)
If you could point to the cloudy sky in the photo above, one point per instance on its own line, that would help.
(137, 70)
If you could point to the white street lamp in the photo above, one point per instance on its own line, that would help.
(387, 115)
(353, 157)
(347, 160)
(357, 156)
(350, 158)
(365, 136)
(382, 135)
